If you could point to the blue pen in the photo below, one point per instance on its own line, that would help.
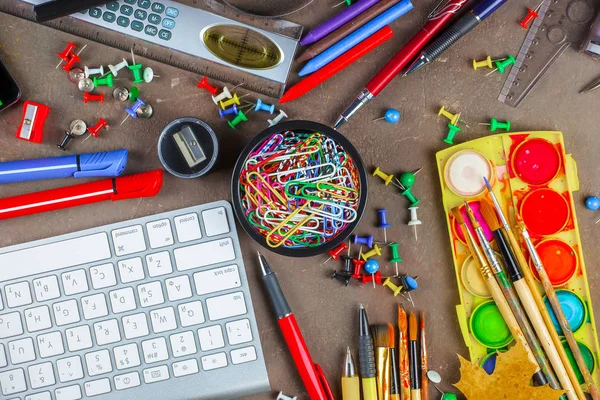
(456, 31)
(333, 52)
(110, 163)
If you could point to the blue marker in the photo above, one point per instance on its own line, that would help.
(110, 164)
(333, 52)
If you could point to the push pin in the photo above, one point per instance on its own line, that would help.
(383, 224)
(592, 203)
(502, 65)
(132, 111)
(73, 59)
(347, 265)
(409, 195)
(225, 94)
(233, 110)
(203, 84)
(446, 396)
(282, 396)
(531, 15)
(452, 131)
(348, 3)
(386, 178)
(144, 111)
(414, 221)
(408, 283)
(375, 252)
(483, 63)
(67, 54)
(366, 240)
(95, 130)
(238, 119)
(395, 255)
(335, 253)
(391, 116)
(407, 179)
(114, 69)
(148, 75)
(260, 106)
(106, 81)
(76, 75)
(233, 100)
(495, 124)
(375, 278)
(134, 94)
(77, 128)
(87, 97)
(86, 85)
(121, 93)
(358, 264)
(136, 69)
(277, 119)
(93, 71)
(395, 289)
(452, 117)
(342, 277)
(372, 267)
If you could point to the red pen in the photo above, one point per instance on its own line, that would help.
(436, 20)
(145, 184)
(312, 375)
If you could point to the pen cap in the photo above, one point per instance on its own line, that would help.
(108, 163)
(145, 184)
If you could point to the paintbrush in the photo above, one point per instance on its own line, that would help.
(381, 340)
(526, 297)
(424, 360)
(545, 375)
(394, 375)
(415, 379)
(537, 297)
(558, 311)
(404, 365)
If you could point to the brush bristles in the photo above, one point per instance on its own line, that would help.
(412, 326)
(391, 334)
(380, 335)
(489, 215)
(458, 215)
(401, 318)
(472, 216)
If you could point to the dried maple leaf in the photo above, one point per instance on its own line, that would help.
(510, 380)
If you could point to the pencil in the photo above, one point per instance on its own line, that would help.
(403, 354)
(415, 379)
(424, 360)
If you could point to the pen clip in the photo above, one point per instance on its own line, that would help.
(324, 382)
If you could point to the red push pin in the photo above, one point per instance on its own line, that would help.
(66, 53)
(375, 278)
(335, 253)
(531, 15)
(94, 130)
(93, 97)
(72, 60)
(203, 84)
(358, 264)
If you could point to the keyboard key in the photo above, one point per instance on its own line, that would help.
(12, 382)
(130, 1)
(97, 387)
(39, 396)
(127, 356)
(79, 338)
(113, 6)
(131, 239)
(244, 355)
(1, 304)
(159, 232)
(3, 360)
(163, 320)
(144, 3)
(46, 288)
(68, 393)
(150, 294)
(122, 300)
(158, 7)
(217, 280)
(191, 313)
(103, 276)
(127, 381)
(168, 23)
(183, 368)
(131, 270)
(126, 10)
(95, 12)
(156, 374)
(155, 350)
(135, 326)
(215, 221)
(41, 375)
(159, 264)
(107, 332)
(226, 306)
(123, 21)
(75, 282)
(109, 17)
(164, 35)
(38, 318)
(187, 226)
(154, 19)
(178, 288)
(50, 344)
(183, 344)
(172, 12)
(18, 294)
(238, 331)
(66, 312)
(98, 362)
(10, 325)
(151, 30)
(137, 26)
(94, 306)
(214, 361)
(140, 14)
(69, 369)
(21, 351)
(204, 254)
(211, 338)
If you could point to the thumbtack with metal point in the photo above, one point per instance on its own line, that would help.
(86, 85)
(383, 224)
(77, 128)
(121, 93)
(93, 71)
(414, 220)
(132, 111)
(67, 53)
(76, 75)
(95, 130)
(225, 94)
(495, 124)
(148, 75)
(282, 396)
(277, 119)
(335, 253)
(114, 69)
(395, 289)
(203, 84)
(391, 116)
(87, 97)
(348, 3)
(233, 110)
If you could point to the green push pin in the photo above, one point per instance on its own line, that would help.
(446, 396)
(1, 103)
(407, 179)
(395, 254)
(495, 124)
(134, 93)
(411, 197)
(137, 73)
(106, 81)
(452, 131)
(502, 65)
(238, 119)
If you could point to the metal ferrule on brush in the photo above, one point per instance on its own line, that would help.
(489, 252)
(484, 267)
(535, 258)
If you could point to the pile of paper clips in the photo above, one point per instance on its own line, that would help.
(299, 189)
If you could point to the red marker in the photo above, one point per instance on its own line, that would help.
(320, 76)
(145, 184)
(311, 373)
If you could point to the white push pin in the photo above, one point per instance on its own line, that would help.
(148, 75)
(277, 119)
(114, 69)
(282, 396)
(414, 221)
(93, 71)
(225, 94)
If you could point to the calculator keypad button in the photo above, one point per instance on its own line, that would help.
(113, 6)
(150, 30)
(172, 12)
(164, 35)
(158, 7)
(154, 19)
(144, 3)
(123, 21)
(137, 26)
(126, 10)
(95, 12)
(109, 17)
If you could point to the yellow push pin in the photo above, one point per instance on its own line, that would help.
(375, 252)
(483, 63)
(386, 178)
(234, 100)
(452, 117)
(390, 284)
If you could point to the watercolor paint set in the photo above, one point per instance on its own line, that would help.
(531, 175)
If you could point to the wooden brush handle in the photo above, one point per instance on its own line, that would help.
(404, 366)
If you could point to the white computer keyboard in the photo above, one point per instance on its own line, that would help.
(153, 308)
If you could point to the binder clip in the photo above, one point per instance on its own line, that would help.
(32, 124)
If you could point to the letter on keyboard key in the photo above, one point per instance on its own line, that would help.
(191, 313)
(214, 361)
(69, 369)
(129, 240)
(50, 344)
(97, 387)
(217, 280)
(39, 396)
(155, 350)
(187, 227)
(103, 276)
(68, 393)
(94, 306)
(10, 325)
(228, 305)
(3, 361)
(79, 338)
(163, 320)
(135, 326)
(131, 270)
(178, 288)
(75, 282)
(159, 264)
(21, 351)
(183, 368)
(127, 381)
(240, 356)
(98, 362)
(215, 221)
(204, 254)
(159, 233)
(41, 375)
(46, 288)
(66, 312)
(156, 374)
(107, 332)
(17, 294)
(38, 318)
(12, 382)
(122, 300)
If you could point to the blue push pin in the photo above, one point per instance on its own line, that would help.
(366, 240)
(383, 223)
(391, 116)
(409, 283)
(231, 110)
(371, 266)
(592, 203)
(270, 108)
(132, 111)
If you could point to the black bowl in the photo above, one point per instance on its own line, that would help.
(300, 126)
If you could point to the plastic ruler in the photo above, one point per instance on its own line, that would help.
(560, 25)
